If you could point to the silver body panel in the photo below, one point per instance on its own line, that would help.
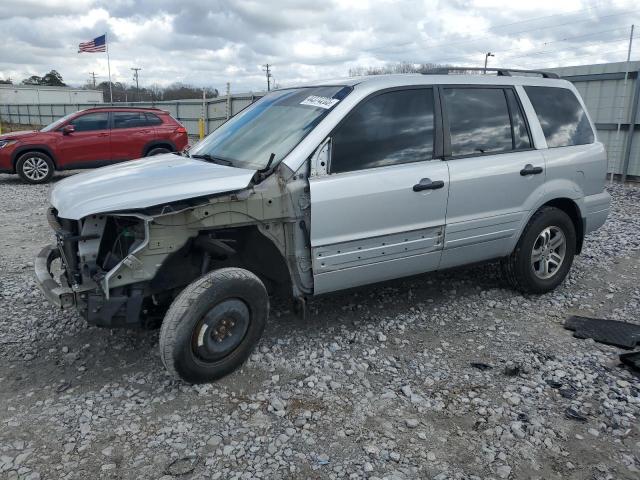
(360, 219)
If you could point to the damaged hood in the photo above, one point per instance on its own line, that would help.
(144, 183)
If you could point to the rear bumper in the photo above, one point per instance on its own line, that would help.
(59, 295)
(595, 209)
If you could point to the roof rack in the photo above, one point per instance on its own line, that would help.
(502, 72)
(112, 105)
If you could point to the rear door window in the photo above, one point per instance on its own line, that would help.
(387, 129)
(562, 118)
(153, 119)
(91, 121)
(129, 120)
(478, 121)
(521, 137)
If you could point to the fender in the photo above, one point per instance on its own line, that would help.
(557, 190)
(32, 147)
(148, 146)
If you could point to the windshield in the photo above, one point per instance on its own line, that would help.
(57, 123)
(273, 125)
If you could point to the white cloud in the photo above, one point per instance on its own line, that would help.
(210, 42)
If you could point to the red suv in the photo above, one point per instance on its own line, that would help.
(90, 138)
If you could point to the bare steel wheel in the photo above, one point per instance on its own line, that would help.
(34, 167)
(544, 253)
(548, 252)
(213, 325)
(221, 330)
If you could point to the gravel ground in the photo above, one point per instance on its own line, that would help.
(375, 383)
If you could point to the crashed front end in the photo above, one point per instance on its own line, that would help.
(92, 252)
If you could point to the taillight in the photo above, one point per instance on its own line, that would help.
(181, 130)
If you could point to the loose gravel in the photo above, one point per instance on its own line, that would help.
(445, 376)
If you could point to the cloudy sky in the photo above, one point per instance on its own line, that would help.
(210, 42)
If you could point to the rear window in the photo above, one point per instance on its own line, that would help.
(562, 118)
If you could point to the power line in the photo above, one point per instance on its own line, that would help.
(568, 38)
(548, 52)
(475, 39)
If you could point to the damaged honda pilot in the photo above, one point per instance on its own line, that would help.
(321, 188)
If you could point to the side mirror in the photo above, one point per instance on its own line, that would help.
(67, 129)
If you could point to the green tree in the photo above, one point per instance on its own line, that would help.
(32, 80)
(51, 79)
(6, 82)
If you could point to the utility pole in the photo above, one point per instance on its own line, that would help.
(623, 175)
(135, 77)
(93, 76)
(267, 69)
(486, 59)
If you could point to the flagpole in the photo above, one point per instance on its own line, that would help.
(109, 68)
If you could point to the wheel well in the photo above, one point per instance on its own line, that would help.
(570, 207)
(159, 144)
(44, 151)
(243, 247)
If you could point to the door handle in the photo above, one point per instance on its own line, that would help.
(530, 170)
(427, 184)
(103, 134)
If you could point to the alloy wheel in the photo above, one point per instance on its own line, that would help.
(35, 168)
(548, 252)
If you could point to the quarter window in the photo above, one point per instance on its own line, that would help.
(478, 120)
(562, 118)
(388, 129)
(91, 121)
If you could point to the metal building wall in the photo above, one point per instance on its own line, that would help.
(609, 102)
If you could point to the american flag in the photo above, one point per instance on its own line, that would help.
(98, 44)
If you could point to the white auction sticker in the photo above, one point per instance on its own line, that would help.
(317, 101)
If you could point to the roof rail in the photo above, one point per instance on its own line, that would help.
(502, 72)
(123, 106)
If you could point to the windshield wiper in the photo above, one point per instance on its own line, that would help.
(209, 158)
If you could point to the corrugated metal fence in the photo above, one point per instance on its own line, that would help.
(216, 111)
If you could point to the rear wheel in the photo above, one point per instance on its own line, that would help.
(213, 325)
(157, 151)
(35, 167)
(544, 254)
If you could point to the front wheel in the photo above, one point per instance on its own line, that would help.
(544, 254)
(35, 167)
(212, 327)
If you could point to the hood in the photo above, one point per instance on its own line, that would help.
(18, 135)
(144, 183)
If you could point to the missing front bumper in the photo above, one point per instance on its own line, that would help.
(59, 295)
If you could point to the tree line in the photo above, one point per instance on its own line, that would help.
(391, 68)
(123, 92)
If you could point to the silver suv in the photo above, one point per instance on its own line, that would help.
(326, 187)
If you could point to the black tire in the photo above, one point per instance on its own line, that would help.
(157, 151)
(35, 167)
(188, 347)
(519, 269)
